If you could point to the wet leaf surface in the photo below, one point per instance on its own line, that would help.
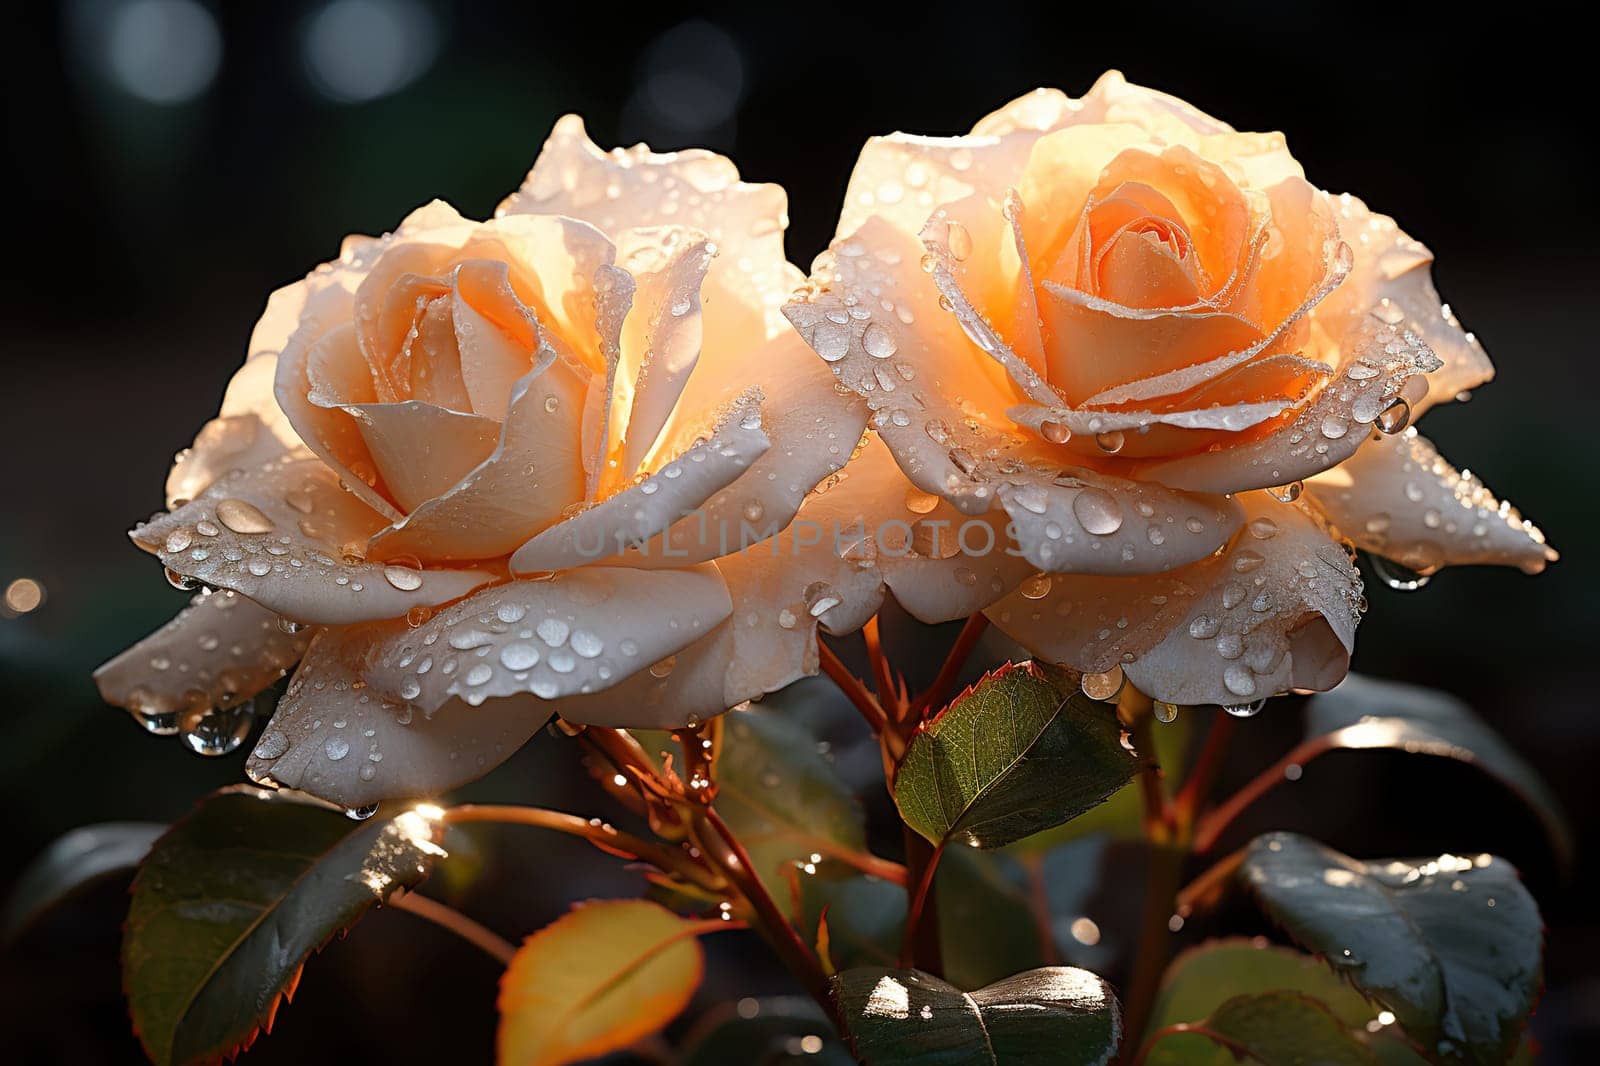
(1021, 751)
(72, 862)
(1052, 1014)
(1451, 945)
(1365, 712)
(235, 897)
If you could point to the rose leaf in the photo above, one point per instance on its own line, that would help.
(1052, 1014)
(72, 862)
(1021, 751)
(597, 979)
(1364, 712)
(1451, 945)
(234, 898)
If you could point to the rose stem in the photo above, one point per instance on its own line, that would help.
(602, 835)
(855, 691)
(953, 662)
(1212, 825)
(1166, 854)
(883, 677)
(732, 859)
(921, 947)
(449, 918)
(1204, 772)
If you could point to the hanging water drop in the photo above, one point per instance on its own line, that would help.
(1287, 493)
(1165, 712)
(1395, 417)
(1397, 577)
(1245, 710)
(219, 732)
(361, 814)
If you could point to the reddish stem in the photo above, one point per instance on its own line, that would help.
(953, 663)
(735, 862)
(920, 947)
(1204, 772)
(1215, 822)
(857, 693)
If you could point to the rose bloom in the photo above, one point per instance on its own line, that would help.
(477, 473)
(1180, 375)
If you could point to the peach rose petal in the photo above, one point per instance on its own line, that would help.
(1083, 522)
(1095, 623)
(1080, 330)
(224, 445)
(818, 574)
(218, 651)
(277, 534)
(581, 631)
(534, 473)
(313, 383)
(684, 689)
(877, 324)
(1397, 497)
(661, 341)
(979, 271)
(634, 187)
(1281, 613)
(813, 431)
(936, 585)
(421, 450)
(636, 515)
(1376, 366)
(1393, 278)
(336, 738)
(497, 335)
(940, 563)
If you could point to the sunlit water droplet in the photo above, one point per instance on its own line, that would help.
(243, 517)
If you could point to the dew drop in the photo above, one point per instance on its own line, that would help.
(1394, 418)
(361, 814)
(1165, 712)
(1103, 686)
(403, 577)
(1397, 577)
(1244, 710)
(242, 517)
(879, 342)
(1287, 493)
(336, 748)
(1111, 441)
(1097, 511)
(1055, 432)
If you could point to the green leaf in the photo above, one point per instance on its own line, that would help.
(1202, 979)
(600, 977)
(1450, 945)
(235, 897)
(866, 916)
(763, 1032)
(781, 798)
(71, 863)
(1365, 712)
(987, 928)
(1052, 1014)
(1273, 1028)
(1021, 751)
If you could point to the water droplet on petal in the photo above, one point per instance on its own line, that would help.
(1097, 511)
(243, 517)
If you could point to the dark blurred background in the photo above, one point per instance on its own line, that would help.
(168, 162)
